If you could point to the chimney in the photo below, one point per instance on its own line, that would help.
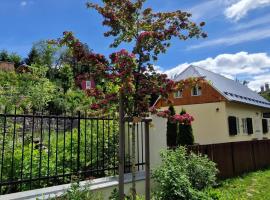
(262, 88)
(267, 87)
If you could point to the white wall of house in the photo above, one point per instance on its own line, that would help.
(242, 111)
(211, 121)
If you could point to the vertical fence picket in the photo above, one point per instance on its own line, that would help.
(64, 149)
(56, 152)
(23, 135)
(97, 164)
(40, 147)
(49, 151)
(13, 144)
(103, 147)
(85, 139)
(3, 150)
(32, 148)
(114, 149)
(91, 145)
(79, 143)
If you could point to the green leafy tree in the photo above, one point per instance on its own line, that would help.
(16, 59)
(4, 56)
(185, 133)
(10, 57)
(171, 129)
(44, 54)
(66, 77)
(33, 57)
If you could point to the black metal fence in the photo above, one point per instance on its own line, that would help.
(39, 150)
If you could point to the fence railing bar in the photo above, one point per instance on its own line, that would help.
(59, 176)
(53, 116)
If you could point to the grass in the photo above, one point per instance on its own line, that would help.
(253, 186)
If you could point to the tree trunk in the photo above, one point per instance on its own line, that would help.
(121, 148)
(133, 161)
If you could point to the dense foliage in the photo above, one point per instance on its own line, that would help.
(10, 57)
(77, 192)
(171, 129)
(183, 176)
(185, 133)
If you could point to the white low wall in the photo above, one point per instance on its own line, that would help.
(104, 186)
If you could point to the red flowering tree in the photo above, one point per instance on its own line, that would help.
(131, 75)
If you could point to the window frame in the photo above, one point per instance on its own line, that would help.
(176, 96)
(88, 84)
(198, 90)
(244, 125)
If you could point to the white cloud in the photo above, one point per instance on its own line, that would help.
(24, 3)
(265, 19)
(253, 35)
(253, 67)
(239, 9)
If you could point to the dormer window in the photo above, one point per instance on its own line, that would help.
(196, 91)
(178, 94)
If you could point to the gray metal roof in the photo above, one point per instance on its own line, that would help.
(230, 89)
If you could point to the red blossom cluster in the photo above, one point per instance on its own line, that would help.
(185, 118)
(182, 119)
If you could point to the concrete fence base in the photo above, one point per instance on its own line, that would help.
(104, 186)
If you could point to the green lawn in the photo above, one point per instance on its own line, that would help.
(255, 186)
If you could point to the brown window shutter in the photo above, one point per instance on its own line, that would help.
(232, 125)
(249, 126)
(265, 125)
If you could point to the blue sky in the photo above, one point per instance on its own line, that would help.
(237, 45)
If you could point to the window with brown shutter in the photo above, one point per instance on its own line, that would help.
(249, 126)
(265, 126)
(232, 125)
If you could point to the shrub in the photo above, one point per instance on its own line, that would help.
(79, 193)
(183, 176)
(115, 196)
(185, 133)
